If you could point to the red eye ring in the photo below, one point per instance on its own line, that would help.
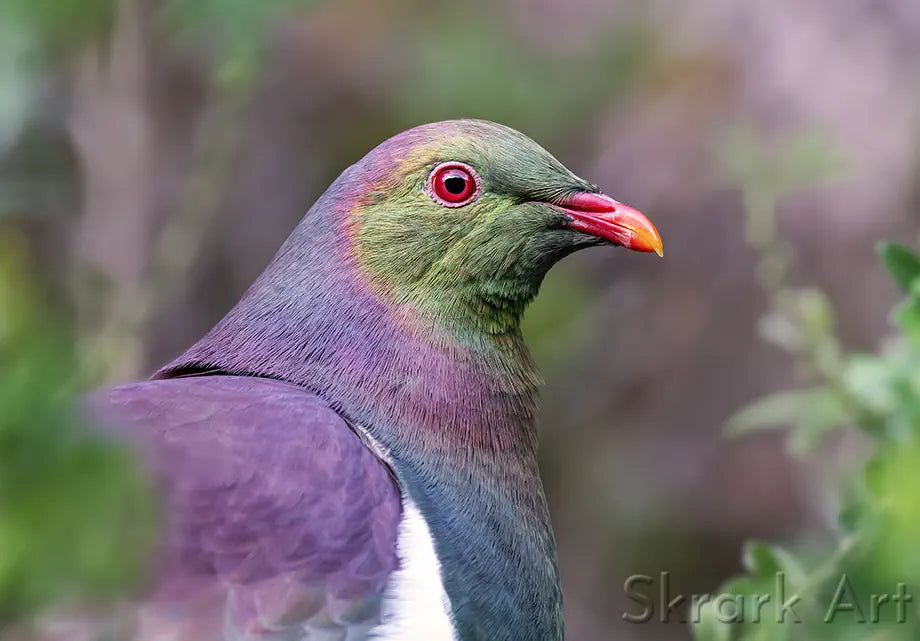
(454, 184)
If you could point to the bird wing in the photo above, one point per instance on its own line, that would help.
(279, 522)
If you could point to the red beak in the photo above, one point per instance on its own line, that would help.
(602, 216)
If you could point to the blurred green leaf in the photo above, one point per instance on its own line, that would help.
(235, 31)
(798, 161)
(816, 314)
(76, 515)
(869, 378)
(809, 158)
(18, 82)
(902, 263)
(709, 627)
(895, 485)
(765, 561)
(226, 18)
(852, 516)
(907, 317)
(61, 26)
(777, 329)
(880, 393)
(813, 411)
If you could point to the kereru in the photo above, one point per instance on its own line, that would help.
(351, 453)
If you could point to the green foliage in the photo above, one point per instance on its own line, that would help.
(811, 411)
(875, 546)
(521, 76)
(63, 26)
(904, 265)
(76, 519)
(236, 30)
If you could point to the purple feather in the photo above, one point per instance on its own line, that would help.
(266, 490)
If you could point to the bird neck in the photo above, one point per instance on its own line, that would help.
(417, 366)
(452, 406)
(393, 369)
(484, 312)
(490, 528)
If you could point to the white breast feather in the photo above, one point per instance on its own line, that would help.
(415, 605)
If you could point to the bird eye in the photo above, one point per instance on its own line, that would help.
(454, 184)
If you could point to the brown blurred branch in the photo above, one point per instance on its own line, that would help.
(112, 129)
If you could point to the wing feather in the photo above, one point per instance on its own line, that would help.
(272, 503)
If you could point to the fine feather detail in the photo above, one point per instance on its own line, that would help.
(415, 603)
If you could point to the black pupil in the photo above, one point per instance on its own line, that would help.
(455, 184)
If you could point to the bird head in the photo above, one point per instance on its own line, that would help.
(402, 288)
(463, 218)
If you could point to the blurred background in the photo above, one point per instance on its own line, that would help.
(155, 153)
